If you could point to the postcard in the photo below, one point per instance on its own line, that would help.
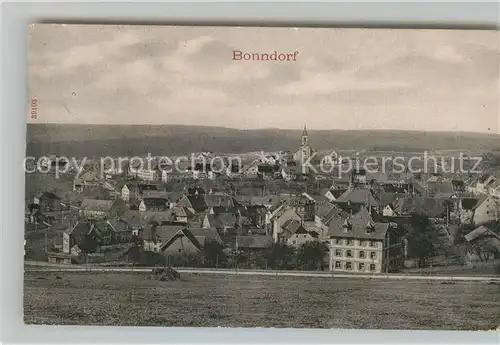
(200, 176)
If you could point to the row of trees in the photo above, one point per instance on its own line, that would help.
(424, 240)
(310, 256)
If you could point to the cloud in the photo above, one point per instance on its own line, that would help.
(343, 78)
(326, 84)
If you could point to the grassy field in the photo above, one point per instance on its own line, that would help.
(257, 301)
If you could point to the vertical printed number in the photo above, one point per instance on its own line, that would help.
(33, 108)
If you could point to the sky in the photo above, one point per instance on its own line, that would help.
(406, 79)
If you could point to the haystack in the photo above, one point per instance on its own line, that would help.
(165, 274)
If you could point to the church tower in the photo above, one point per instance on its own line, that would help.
(304, 151)
(304, 137)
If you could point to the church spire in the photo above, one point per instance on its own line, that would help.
(304, 137)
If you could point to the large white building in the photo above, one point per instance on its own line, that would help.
(359, 244)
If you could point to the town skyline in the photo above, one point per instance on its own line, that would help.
(424, 80)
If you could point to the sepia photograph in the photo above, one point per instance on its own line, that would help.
(276, 177)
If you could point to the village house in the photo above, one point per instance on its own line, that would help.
(156, 203)
(145, 171)
(340, 183)
(223, 222)
(94, 208)
(281, 215)
(354, 199)
(288, 173)
(295, 234)
(333, 194)
(325, 215)
(252, 170)
(256, 215)
(182, 214)
(139, 219)
(123, 230)
(171, 240)
(125, 193)
(360, 244)
(59, 258)
(48, 202)
(269, 201)
(437, 209)
(88, 179)
(478, 210)
(205, 235)
(304, 206)
(483, 183)
(269, 171)
(91, 233)
(201, 203)
(256, 244)
(484, 238)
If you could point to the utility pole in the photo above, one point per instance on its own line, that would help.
(46, 240)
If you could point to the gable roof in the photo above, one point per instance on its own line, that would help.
(170, 233)
(164, 232)
(97, 205)
(160, 194)
(47, 195)
(89, 176)
(433, 207)
(254, 242)
(181, 211)
(267, 200)
(204, 234)
(120, 224)
(480, 232)
(291, 225)
(212, 200)
(222, 220)
(86, 227)
(472, 203)
(196, 202)
(358, 225)
(225, 209)
(155, 202)
(144, 219)
(358, 196)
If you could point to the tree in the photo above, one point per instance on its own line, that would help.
(280, 256)
(311, 255)
(213, 253)
(423, 239)
(135, 249)
(482, 247)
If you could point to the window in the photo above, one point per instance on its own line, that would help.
(337, 264)
(373, 255)
(372, 267)
(338, 241)
(348, 242)
(338, 252)
(348, 265)
(361, 267)
(349, 253)
(294, 242)
(361, 254)
(180, 250)
(373, 244)
(362, 243)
